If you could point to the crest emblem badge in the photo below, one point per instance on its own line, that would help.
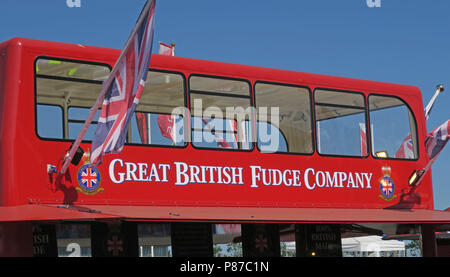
(387, 186)
(89, 178)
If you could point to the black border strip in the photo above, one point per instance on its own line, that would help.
(219, 94)
(69, 79)
(340, 106)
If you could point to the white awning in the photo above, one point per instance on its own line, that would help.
(371, 244)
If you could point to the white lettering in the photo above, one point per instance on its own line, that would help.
(359, 179)
(351, 182)
(142, 171)
(181, 173)
(154, 174)
(265, 182)
(211, 174)
(131, 171)
(255, 175)
(296, 178)
(287, 181)
(121, 171)
(194, 171)
(277, 178)
(237, 173)
(330, 182)
(308, 186)
(342, 178)
(111, 172)
(368, 177)
(322, 183)
(164, 167)
(226, 175)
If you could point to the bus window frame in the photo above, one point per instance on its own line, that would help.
(252, 116)
(65, 118)
(415, 123)
(76, 121)
(312, 113)
(186, 135)
(36, 122)
(366, 110)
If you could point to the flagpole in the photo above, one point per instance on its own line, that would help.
(423, 171)
(439, 89)
(68, 158)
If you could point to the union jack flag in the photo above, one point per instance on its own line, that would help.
(437, 139)
(406, 149)
(363, 138)
(221, 142)
(129, 76)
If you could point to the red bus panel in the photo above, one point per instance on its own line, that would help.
(190, 176)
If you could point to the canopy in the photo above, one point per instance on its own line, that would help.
(371, 243)
(40, 212)
(47, 213)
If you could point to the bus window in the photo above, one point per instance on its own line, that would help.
(289, 131)
(340, 123)
(73, 240)
(65, 84)
(53, 126)
(392, 124)
(76, 119)
(159, 117)
(270, 138)
(226, 240)
(221, 112)
(154, 240)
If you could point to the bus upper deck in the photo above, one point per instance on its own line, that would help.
(210, 134)
(275, 153)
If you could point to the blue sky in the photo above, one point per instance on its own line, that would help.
(402, 42)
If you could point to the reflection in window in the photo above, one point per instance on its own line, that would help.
(157, 129)
(221, 112)
(159, 117)
(227, 240)
(154, 240)
(392, 125)
(340, 123)
(290, 129)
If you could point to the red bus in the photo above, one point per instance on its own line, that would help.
(217, 154)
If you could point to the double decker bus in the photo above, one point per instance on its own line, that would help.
(219, 156)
